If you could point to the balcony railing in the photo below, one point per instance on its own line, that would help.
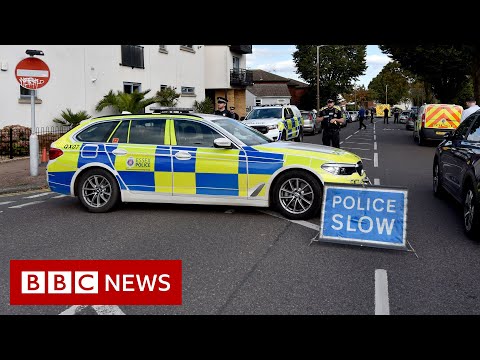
(242, 49)
(241, 77)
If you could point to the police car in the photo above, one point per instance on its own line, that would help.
(278, 122)
(188, 158)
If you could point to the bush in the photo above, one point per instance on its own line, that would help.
(205, 107)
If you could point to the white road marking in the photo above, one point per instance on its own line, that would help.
(341, 142)
(107, 310)
(38, 195)
(73, 309)
(299, 222)
(6, 202)
(375, 159)
(374, 137)
(367, 159)
(365, 139)
(375, 145)
(1, 212)
(99, 309)
(26, 204)
(356, 131)
(59, 196)
(352, 148)
(382, 306)
(353, 142)
(348, 137)
(376, 181)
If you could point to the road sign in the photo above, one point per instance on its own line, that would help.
(32, 73)
(370, 216)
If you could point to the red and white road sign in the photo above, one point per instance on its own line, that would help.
(32, 73)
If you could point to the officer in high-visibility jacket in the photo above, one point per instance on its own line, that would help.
(331, 119)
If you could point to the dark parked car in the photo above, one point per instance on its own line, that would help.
(456, 170)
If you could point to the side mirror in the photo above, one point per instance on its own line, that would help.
(222, 143)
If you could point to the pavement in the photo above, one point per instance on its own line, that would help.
(15, 176)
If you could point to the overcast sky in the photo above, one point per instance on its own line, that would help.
(278, 60)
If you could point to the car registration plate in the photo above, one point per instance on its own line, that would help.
(440, 132)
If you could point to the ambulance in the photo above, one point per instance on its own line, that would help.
(435, 120)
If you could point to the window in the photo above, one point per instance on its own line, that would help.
(186, 90)
(236, 63)
(195, 134)
(265, 113)
(120, 134)
(163, 87)
(98, 132)
(258, 102)
(25, 93)
(462, 129)
(188, 48)
(147, 131)
(132, 55)
(162, 49)
(474, 134)
(129, 87)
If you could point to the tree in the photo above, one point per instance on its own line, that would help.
(134, 102)
(339, 67)
(445, 68)
(204, 107)
(360, 95)
(69, 118)
(167, 96)
(391, 84)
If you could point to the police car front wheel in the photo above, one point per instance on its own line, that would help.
(297, 195)
(98, 190)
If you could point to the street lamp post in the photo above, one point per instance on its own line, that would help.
(318, 83)
(386, 93)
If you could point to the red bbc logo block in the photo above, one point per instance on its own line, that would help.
(95, 282)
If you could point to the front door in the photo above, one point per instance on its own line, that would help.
(201, 169)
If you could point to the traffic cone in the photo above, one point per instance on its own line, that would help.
(44, 155)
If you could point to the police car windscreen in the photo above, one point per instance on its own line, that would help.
(246, 134)
(265, 113)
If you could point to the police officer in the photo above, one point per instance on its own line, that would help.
(331, 118)
(234, 114)
(222, 107)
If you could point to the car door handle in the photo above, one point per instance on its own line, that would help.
(183, 155)
(119, 152)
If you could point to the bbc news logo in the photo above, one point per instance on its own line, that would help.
(95, 282)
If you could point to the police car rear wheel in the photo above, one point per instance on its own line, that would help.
(297, 195)
(98, 190)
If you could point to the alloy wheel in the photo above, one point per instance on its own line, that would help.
(468, 210)
(296, 195)
(96, 191)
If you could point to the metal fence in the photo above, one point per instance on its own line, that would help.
(15, 140)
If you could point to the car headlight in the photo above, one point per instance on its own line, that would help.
(340, 169)
(271, 127)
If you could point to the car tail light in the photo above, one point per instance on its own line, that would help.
(54, 153)
(423, 120)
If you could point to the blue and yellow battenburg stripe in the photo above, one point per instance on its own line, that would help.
(155, 168)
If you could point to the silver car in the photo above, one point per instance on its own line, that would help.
(310, 123)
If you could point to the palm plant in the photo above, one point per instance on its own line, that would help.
(134, 103)
(69, 118)
(167, 96)
(204, 107)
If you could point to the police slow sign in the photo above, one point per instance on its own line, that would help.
(371, 216)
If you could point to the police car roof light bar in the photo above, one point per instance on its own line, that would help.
(168, 109)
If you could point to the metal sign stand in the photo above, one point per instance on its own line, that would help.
(318, 239)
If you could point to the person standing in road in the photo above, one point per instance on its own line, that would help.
(471, 108)
(233, 113)
(331, 119)
(361, 118)
(372, 111)
(222, 107)
(396, 114)
(385, 115)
